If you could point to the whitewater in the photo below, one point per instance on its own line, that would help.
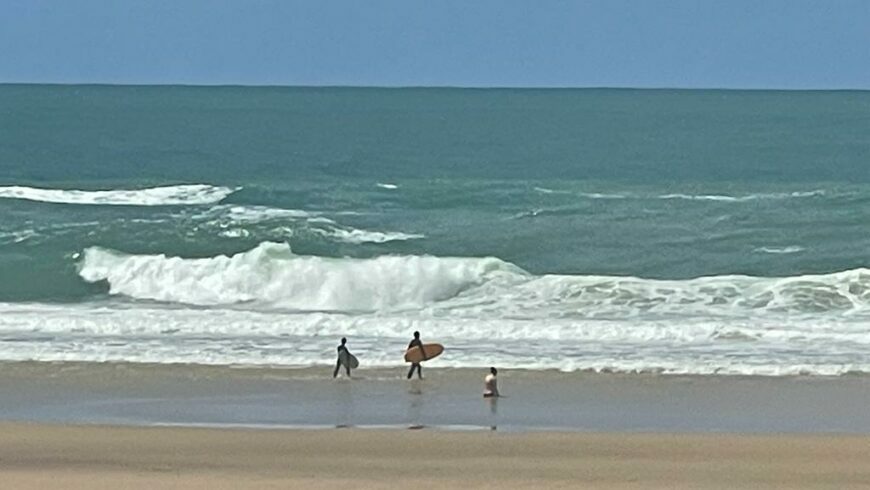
(271, 306)
(675, 232)
(268, 303)
(172, 195)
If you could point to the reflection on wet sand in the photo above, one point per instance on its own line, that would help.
(493, 412)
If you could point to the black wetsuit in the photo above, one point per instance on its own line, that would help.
(416, 365)
(338, 362)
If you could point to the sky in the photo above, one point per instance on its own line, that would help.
(787, 44)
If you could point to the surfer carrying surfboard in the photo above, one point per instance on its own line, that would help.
(416, 342)
(343, 358)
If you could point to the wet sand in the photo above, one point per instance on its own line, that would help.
(95, 426)
(189, 395)
(95, 457)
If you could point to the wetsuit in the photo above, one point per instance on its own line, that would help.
(416, 365)
(338, 361)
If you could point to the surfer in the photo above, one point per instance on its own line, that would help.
(416, 342)
(490, 384)
(342, 349)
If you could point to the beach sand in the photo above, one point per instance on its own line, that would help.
(110, 426)
(96, 457)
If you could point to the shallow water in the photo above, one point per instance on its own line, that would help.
(445, 399)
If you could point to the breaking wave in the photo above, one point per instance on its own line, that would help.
(192, 194)
(272, 276)
(233, 218)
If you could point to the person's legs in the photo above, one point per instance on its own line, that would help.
(347, 368)
(337, 366)
(420, 371)
(411, 371)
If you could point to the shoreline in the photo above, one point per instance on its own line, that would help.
(100, 456)
(324, 370)
(447, 399)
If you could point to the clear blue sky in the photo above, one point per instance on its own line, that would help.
(640, 43)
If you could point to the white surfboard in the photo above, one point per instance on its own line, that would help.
(348, 359)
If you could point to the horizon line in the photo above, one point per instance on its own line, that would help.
(447, 87)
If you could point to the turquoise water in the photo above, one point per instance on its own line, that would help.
(671, 230)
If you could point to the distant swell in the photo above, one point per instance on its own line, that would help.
(357, 236)
(191, 194)
(240, 216)
(723, 198)
(744, 198)
(791, 249)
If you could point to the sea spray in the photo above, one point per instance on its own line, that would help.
(271, 275)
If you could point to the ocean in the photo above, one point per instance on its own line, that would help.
(711, 232)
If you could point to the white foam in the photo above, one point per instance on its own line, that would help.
(589, 195)
(707, 197)
(192, 194)
(599, 195)
(744, 198)
(257, 214)
(270, 275)
(791, 249)
(271, 306)
(610, 297)
(357, 236)
(814, 193)
(232, 220)
(686, 196)
(235, 233)
(527, 214)
(142, 333)
(15, 237)
(387, 186)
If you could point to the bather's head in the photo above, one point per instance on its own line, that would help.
(343, 340)
(416, 335)
(494, 371)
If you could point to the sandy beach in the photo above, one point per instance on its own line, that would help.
(96, 457)
(109, 426)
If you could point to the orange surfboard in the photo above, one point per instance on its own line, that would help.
(415, 355)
